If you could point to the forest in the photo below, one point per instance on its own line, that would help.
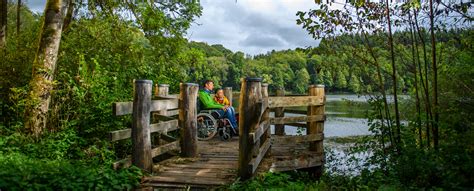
(61, 71)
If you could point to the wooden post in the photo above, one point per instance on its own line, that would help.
(163, 91)
(228, 94)
(266, 116)
(250, 95)
(141, 144)
(316, 127)
(187, 119)
(160, 90)
(279, 112)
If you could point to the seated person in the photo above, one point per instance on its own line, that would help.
(220, 97)
(226, 111)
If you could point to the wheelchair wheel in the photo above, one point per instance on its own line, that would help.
(225, 134)
(206, 126)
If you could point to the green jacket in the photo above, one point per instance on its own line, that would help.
(207, 101)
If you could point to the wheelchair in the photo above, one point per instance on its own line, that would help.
(210, 123)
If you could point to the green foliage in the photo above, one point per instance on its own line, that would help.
(20, 172)
(280, 181)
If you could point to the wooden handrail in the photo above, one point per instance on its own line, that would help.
(285, 120)
(298, 138)
(274, 102)
(161, 127)
(124, 108)
(262, 151)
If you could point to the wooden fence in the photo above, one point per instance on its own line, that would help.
(254, 142)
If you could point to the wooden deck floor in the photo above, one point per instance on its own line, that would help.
(217, 164)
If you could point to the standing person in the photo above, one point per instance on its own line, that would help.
(208, 103)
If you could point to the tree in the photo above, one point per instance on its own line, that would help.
(301, 80)
(44, 67)
(3, 23)
(354, 84)
(18, 8)
(341, 82)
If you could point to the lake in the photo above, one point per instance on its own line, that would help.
(345, 116)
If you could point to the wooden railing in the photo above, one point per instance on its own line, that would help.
(255, 139)
(254, 126)
(163, 105)
(255, 142)
(172, 111)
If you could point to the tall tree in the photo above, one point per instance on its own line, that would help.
(435, 77)
(394, 73)
(44, 66)
(18, 23)
(3, 23)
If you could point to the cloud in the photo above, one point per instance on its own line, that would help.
(252, 26)
(262, 41)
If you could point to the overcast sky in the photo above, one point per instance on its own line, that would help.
(250, 26)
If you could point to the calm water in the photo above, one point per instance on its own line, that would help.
(346, 116)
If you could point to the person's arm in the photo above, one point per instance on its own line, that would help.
(226, 101)
(208, 102)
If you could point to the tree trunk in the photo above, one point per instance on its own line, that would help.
(18, 23)
(69, 15)
(435, 78)
(394, 75)
(415, 60)
(382, 90)
(3, 23)
(424, 83)
(44, 67)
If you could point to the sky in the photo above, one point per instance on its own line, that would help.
(250, 26)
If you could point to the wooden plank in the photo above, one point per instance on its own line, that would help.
(167, 138)
(173, 112)
(292, 139)
(253, 164)
(162, 127)
(124, 163)
(157, 105)
(124, 108)
(295, 101)
(202, 165)
(255, 136)
(285, 120)
(296, 124)
(187, 180)
(120, 134)
(295, 111)
(165, 148)
(297, 163)
(203, 173)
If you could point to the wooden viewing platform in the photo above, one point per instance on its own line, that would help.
(213, 163)
(217, 164)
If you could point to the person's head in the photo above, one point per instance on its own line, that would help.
(209, 84)
(220, 93)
